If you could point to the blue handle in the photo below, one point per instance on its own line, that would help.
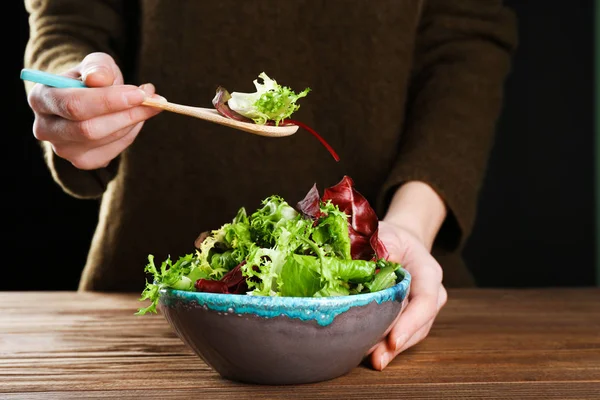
(48, 79)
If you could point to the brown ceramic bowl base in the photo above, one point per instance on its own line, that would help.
(280, 350)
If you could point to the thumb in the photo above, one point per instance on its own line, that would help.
(100, 69)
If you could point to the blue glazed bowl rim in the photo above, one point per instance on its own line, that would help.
(400, 287)
(321, 309)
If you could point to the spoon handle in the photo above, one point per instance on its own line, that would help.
(49, 79)
(198, 112)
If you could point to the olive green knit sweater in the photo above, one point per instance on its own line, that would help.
(403, 90)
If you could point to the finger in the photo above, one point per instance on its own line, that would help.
(380, 348)
(380, 356)
(149, 89)
(72, 150)
(384, 340)
(424, 331)
(99, 70)
(383, 354)
(442, 297)
(99, 157)
(419, 312)
(422, 305)
(416, 338)
(117, 135)
(56, 129)
(75, 150)
(77, 104)
(83, 155)
(421, 334)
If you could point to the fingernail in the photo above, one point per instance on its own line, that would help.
(148, 88)
(135, 97)
(159, 98)
(400, 341)
(95, 70)
(385, 359)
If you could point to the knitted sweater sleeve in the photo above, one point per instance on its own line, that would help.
(462, 57)
(62, 33)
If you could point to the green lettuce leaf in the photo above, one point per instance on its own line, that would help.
(270, 102)
(331, 232)
(386, 277)
(334, 288)
(170, 275)
(353, 271)
(265, 262)
(300, 276)
(266, 221)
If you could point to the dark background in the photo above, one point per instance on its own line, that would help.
(535, 225)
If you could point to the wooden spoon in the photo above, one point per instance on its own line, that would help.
(207, 114)
(212, 115)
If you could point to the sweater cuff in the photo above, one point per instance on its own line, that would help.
(459, 203)
(82, 184)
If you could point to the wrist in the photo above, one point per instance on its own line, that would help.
(417, 208)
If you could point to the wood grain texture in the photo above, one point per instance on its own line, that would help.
(486, 343)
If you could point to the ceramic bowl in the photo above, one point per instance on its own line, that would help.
(282, 340)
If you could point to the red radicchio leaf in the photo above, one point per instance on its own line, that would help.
(316, 135)
(232, 282)
(360, 247)
(210, 286)
(310, 204)
(220, 103)
(378, 246)
(364, 223)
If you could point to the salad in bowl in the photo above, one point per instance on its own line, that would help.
(323, 246)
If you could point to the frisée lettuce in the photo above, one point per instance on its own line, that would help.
(270, 102)
(323, 246)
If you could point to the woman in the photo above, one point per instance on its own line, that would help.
(407, 93)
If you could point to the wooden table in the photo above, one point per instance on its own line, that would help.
(522, 344)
